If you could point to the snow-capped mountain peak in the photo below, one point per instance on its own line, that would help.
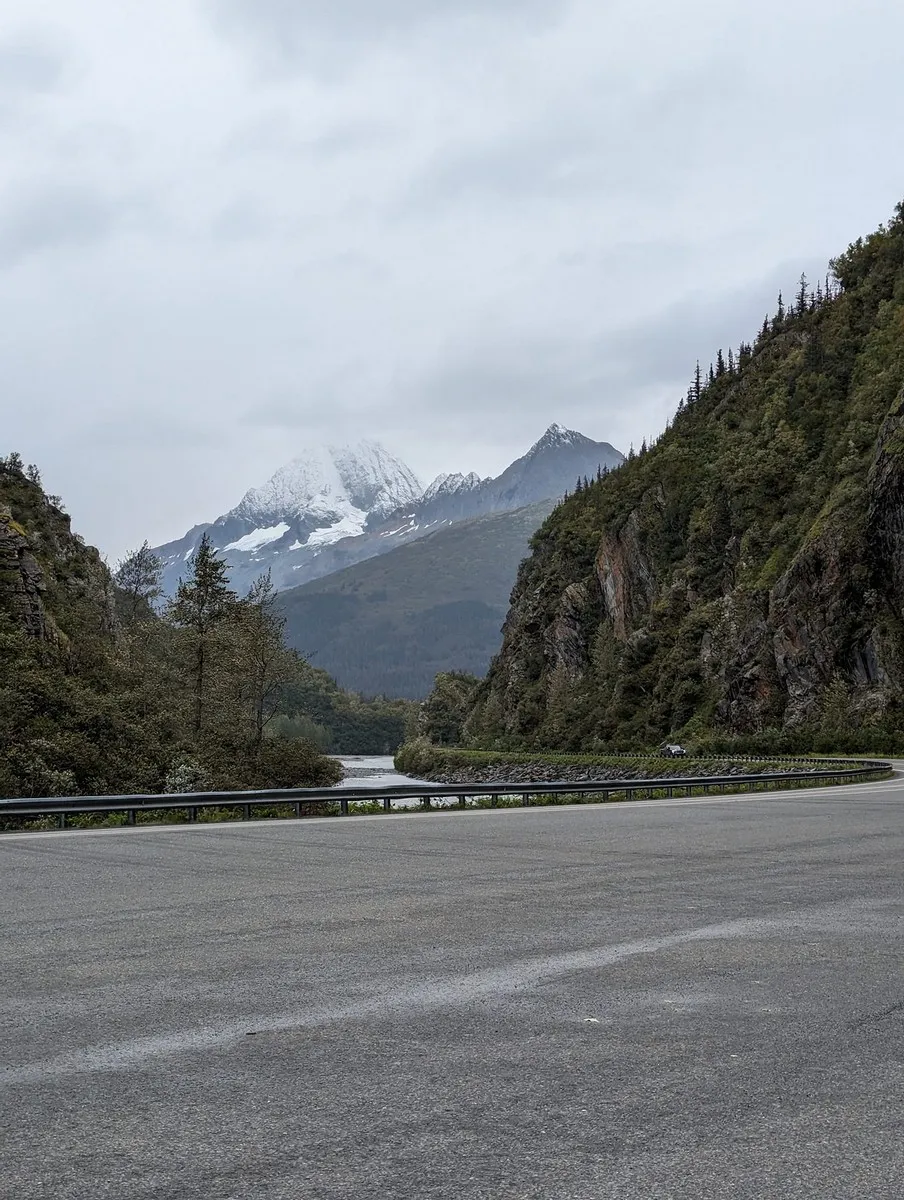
(332, 506)
(376, 480)
(557, 436)
(330, 481)
(452, 485)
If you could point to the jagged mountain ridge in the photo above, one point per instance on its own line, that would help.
(742, 577)
(334, 506)
(549, 469)
(326, 496)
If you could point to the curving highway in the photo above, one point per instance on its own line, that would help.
(667, 1000)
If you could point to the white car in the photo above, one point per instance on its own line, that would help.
(670, 750)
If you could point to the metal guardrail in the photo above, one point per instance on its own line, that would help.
(297, 798)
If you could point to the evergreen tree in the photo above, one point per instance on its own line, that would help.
(779, 318)
(720, 363)
(203, 603)
(137, 576)
(265, 664)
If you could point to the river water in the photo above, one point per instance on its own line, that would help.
(371, 770)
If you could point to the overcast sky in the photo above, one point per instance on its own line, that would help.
(229, 228)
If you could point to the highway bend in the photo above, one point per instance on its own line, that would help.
(671, 999)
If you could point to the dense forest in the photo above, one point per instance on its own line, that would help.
(103, 689)
(743, 577)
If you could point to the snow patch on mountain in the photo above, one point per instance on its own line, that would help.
(352, 524)
(258, 538)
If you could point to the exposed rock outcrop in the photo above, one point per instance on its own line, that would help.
(22, 583)
(49, 579)
(626, 578)
(746, 572)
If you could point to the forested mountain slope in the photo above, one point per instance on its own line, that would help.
(100, 694)
(388, 625)
(747, 571)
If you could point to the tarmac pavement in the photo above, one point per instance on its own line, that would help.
(665, 1000)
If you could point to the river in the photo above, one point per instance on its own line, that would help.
(371, 770)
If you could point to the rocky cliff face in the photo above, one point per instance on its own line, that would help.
(747, 572)
(21, 578)
(49, 579)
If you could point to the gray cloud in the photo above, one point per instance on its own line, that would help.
(30, 62)
(276, 134)
(545, 161)
(240, 220)
(562, 152)
(118, 432)
(606, 382)
(441, 224)
(290, 26)
(52, 217)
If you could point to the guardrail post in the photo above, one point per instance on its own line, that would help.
(61, 821)
(297, 807)
(130, 817)
(387, 804)
(192, 814)
(343, 808)
(425, 803)
(246, 812)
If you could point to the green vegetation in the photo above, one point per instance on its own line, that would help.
(443, 714)
(101, 694)
(419, 609)
(423, 760)
(343, 722)
(741, 581)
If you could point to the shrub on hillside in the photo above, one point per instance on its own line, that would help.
(281, 763)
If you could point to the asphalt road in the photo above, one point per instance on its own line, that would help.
(656, 1000)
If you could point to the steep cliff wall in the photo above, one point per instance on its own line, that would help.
(747, 571)
(50, 581)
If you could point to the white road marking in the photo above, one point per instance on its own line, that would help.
(453, 991)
